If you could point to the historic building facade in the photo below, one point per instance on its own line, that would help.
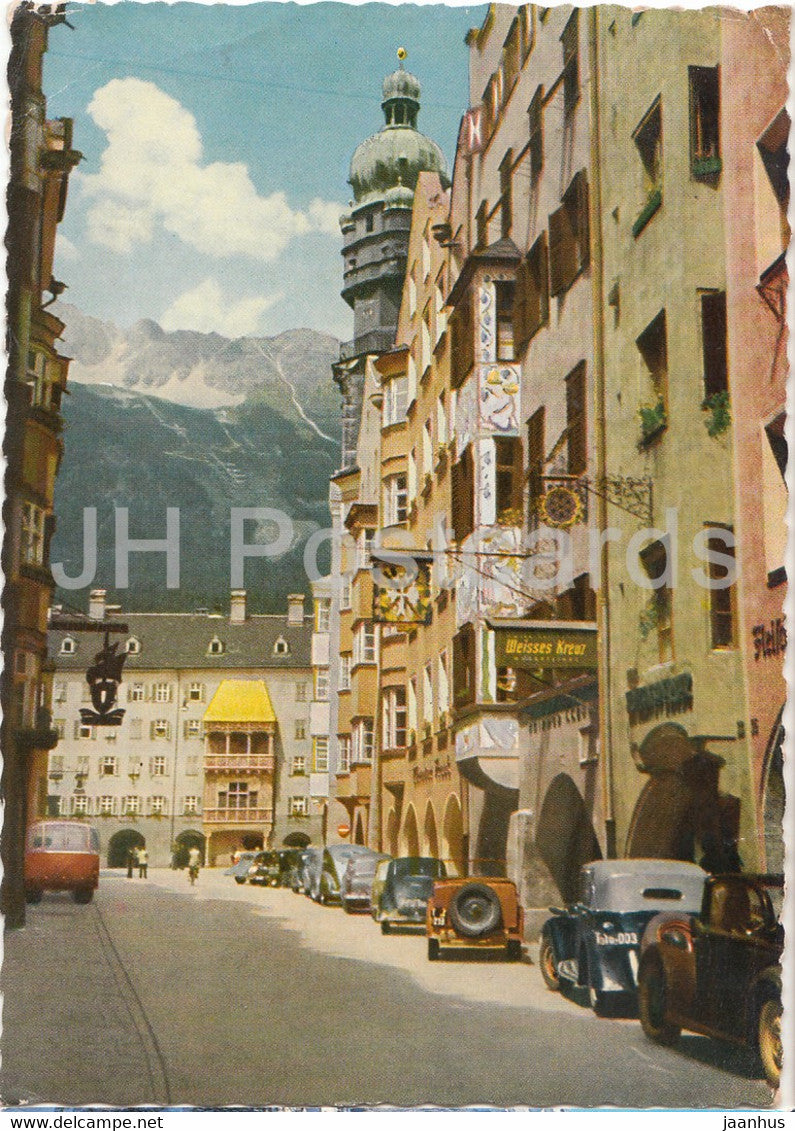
(41, 159)
(214, 746)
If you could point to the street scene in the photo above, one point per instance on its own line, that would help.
(395, 557)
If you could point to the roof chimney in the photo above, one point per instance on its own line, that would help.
(295, 608)
(237, 606)
(96, 604)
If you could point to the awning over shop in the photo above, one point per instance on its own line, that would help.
(240, 701)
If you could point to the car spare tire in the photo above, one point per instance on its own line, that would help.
(475, 911)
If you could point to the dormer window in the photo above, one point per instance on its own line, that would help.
(68, 646)
(281, 647)
(133, 646)
(216, 647)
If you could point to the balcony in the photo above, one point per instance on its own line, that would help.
(232, 763)
(373, 341)
(237, 816)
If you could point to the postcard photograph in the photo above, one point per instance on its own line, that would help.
(394, 560)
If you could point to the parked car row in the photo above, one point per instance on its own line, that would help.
(686, 949)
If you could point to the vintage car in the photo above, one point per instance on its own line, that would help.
(379, 878)
(405, 889)
(470, 911)
(265, 869)
(240, 869)
(334, 861)
(718, 972)
(61, 856)
(356, 886)
(296, 873)
(595, 943)
(311, 872)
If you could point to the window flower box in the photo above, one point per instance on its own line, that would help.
(707, 166)
(719, 409)
(653, 421)
(653, 202)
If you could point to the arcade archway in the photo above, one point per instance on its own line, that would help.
(453, 836)
(410, 840)
(121, 844)
(359, 831)
(392, 833)
(430, 836)
(773, 801)
(565, 837)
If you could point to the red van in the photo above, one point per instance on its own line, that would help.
(61, 856)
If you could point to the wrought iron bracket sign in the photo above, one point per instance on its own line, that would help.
(632, 495)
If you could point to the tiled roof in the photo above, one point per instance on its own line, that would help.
(240, 701)
(184, 640)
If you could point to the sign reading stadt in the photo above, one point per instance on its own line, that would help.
(545, 645)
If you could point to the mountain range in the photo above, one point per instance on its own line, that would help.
(159, 419)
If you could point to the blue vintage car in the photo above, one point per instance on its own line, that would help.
(595, 943)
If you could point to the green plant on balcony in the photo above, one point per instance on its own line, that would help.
(653, 202)
(510, 516)
(707, 166)
(719, 409)
(653, 419)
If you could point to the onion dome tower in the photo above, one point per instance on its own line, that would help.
(383, 175)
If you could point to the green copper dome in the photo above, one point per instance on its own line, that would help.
(393, 158)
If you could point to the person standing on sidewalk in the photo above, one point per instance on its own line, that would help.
(143, 861)
(130, 863)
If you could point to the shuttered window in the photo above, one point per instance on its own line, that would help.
(509, 478)
(569, 236)
(531, 308)
(463, 495)
(576, 424)
(462, 331)
(713, 337)
(535, 460)
(464, 672)
(536, 147)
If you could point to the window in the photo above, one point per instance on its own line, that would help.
(345, 591)
(535, 114)
(426, 254)
(427, 448)
(395, 499)
(569, 236)
(346, 661)
(713, 342)
(60, 727)
(108, 766)
(322, 614)
(281, 647)
(196, 693)
(133, 646)
(362, 744)
(482, 225)
(653, 347)
(394, 718)
(157, 766)
(131, 805)
(134, 766)
(68, 646)
(364, 644)
(464, 676)
(190, 805)
(106, 805)
(412, 476)
(59, 693)
(320, 753)
(571, 61)
(82, 764)
(193, 728)
(321, 685)
(237, 795)
(723, 601)
(442, 435)
(364, 545)
(511, 57)
(160, 728)
(443, 684)
(83, 730)
(32, 541)
(215, 647)
(576, 424)
(425, 340)
(704, 121)
(648, 139)
(427, 694)
(506, 194)
(299, 807)
(192, 765)
(462, 340)
(411, 708)
(300, 693)
(345, 754)
(463, 495)
(771, 192)
(655, 562)
(136, 694)
(505, 292)
(162, 693)
(298, 767)
(56, 763)
(412, 295)
(300, 728)
(42, 374)
(440, 321)
(508, 453)
(157, 806)
(369, 222)
(80, 805)
(531, 304)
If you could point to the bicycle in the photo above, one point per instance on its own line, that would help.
(193, 873)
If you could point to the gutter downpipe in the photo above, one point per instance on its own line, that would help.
(598, 292)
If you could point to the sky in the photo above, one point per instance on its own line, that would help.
(217, 142)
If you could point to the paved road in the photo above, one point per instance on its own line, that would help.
(159, 993)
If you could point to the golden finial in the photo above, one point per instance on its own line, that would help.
(402, 53)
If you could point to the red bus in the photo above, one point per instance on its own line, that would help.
(61, 856)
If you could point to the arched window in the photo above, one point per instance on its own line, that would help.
(281, 647)
(68, 646)
(216, 647)
(133, 646)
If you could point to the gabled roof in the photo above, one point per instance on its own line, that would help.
(240, 701)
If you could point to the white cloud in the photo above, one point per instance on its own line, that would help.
(65, 250)
(206, 308)
(152, 172)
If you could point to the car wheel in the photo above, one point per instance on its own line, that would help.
(434, 950)
(83, 895)
(386, 927)
(33, 895)
(769, 1038)
(651, 1005)
(240, 879)
(475, 911)
(548, 964)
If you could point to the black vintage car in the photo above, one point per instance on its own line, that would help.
(402, 897)
(718, 972)
(595, 943)
(265, 869)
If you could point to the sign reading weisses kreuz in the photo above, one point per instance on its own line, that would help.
(545, 644)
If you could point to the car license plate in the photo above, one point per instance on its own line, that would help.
(623, 938)
(438, 918)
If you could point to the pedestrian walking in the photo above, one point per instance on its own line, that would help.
(130, 863)
(194, 860)
(143, 862)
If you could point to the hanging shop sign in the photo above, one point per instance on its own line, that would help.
(665, 697)
(103, 678)
(403, 600)
(546, 645)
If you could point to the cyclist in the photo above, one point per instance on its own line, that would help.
(194, 860)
